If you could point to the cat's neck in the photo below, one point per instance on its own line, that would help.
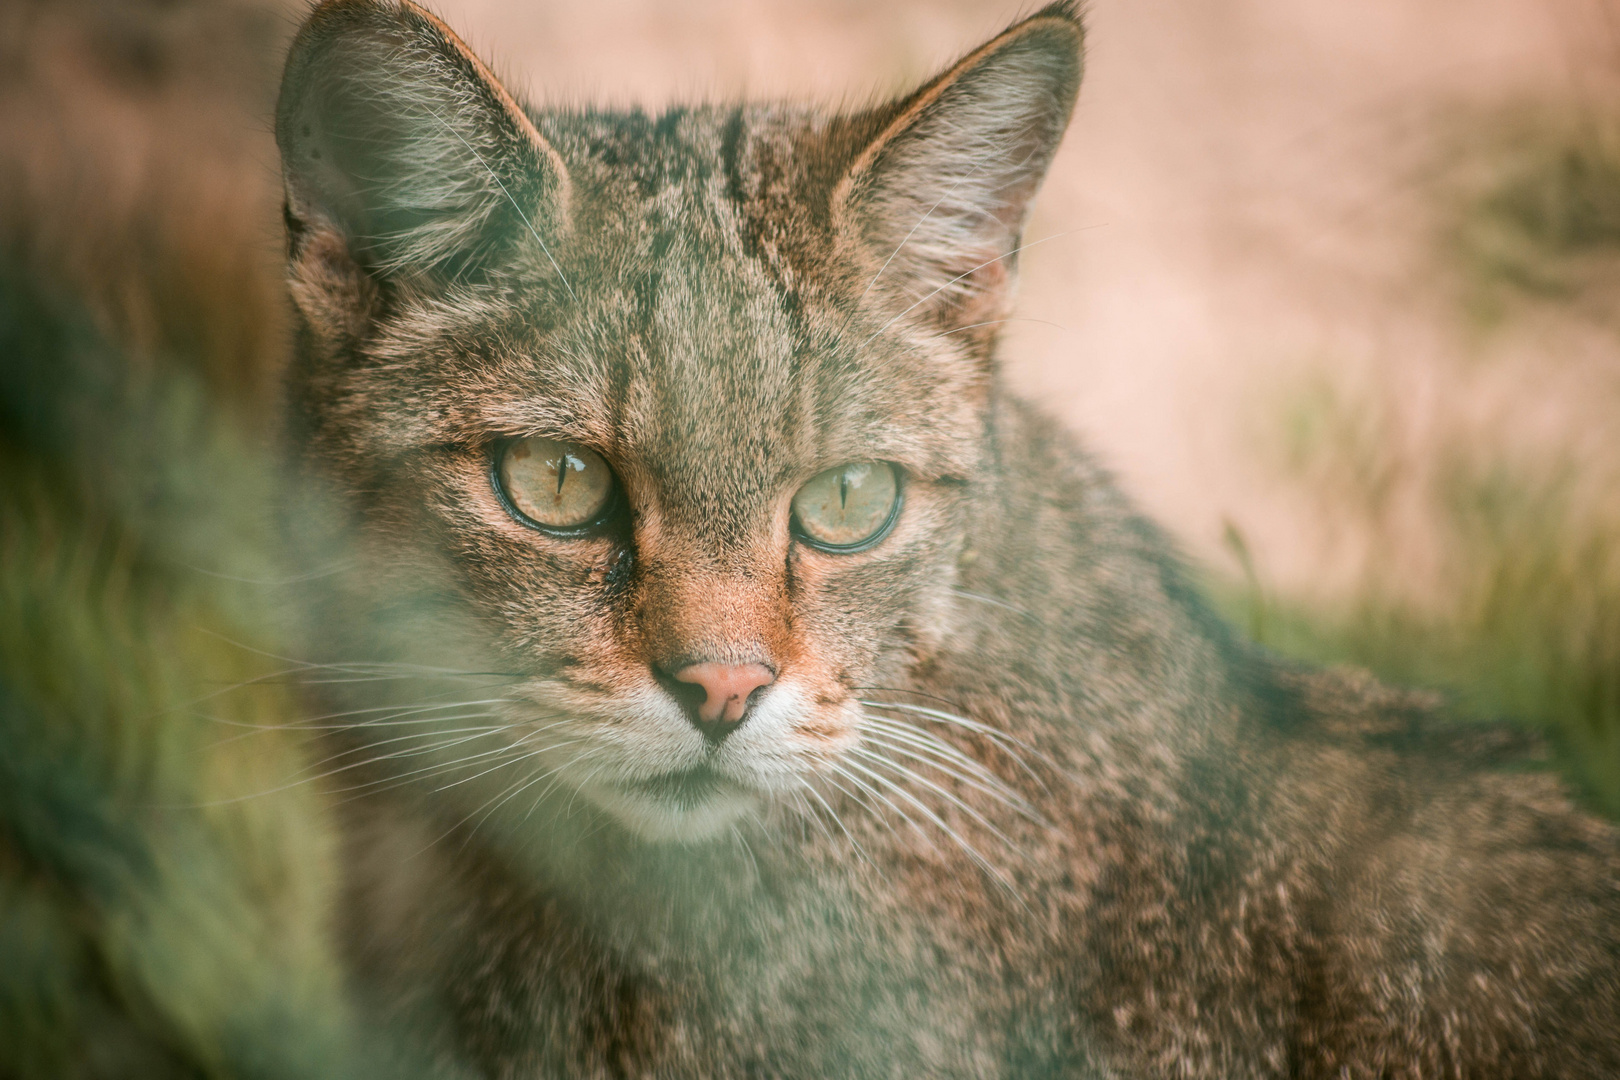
(1064, 588)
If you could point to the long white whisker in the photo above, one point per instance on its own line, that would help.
(369, 745)
(512, 790)
(1000, 792)
(995, 872)
(842, 769)
(808, 812)
(912, 774)
(920, 221)
(396, 711)
(294, 579)
(839, 821)
(923, 740)
(1003, 741)
(998, 322)
(556, 778)
(316, 777)
(527, 224)
(407, 669)
(993, 602)
(747, 850)
(515, 747)
(965, 273)
(433, 748)
(418, 751)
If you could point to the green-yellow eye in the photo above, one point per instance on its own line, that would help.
(847, 508)
(552, 484)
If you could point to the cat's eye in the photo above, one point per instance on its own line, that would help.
(848, 508)
(554, 486)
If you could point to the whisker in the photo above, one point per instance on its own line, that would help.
(395, 717)
(1000, 738)
(912, 774)
(898, 248)
(356, 666)
(430, 748)
(408, 752)
(527, 224)
(921, 739)
(842, 770)
(808, 812)
(526, 753)
(968, 272)
(584, 782)
(998, 322)
(515, 753)
(293, 579)
(373, 744)
(315, 778)
(303, 725)
(747, 850)
(993, 602)
(998, 791)
(852, 796)
(557, 775)
(995, 872)
(511, 791)
(524, 785)
(837, 820)
(399, 780)
(556, 778)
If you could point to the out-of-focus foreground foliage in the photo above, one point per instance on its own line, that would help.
(156, 918)
(165, 886)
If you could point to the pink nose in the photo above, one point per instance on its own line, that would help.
(726, 688)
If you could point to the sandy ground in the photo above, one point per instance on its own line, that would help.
(1242, 205)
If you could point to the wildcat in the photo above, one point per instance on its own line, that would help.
(735, 680)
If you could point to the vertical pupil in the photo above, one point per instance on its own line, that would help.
(843, 490)
(562, 471)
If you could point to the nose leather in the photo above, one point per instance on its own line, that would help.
(726, 689)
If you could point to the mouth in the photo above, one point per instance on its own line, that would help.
(685, 805)
(685, 789)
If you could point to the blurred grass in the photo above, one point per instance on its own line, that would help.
(1534, 211)
(1528, 630)
(1520, 618)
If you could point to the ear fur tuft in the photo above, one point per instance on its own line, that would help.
(395, 135)
(939, 198)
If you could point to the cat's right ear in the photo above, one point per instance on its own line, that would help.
(403, 154)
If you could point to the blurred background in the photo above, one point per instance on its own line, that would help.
(1334, 288)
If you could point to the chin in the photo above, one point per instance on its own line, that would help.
(680, 808)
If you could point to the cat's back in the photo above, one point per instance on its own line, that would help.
(1467, 913)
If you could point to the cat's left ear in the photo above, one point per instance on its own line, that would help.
(937, 201)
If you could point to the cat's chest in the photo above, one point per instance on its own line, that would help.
(793, 971)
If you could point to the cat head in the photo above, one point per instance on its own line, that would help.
(686, 410)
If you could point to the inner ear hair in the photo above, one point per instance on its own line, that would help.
(397, 137)
(936, 203)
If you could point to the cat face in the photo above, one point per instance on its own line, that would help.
(685, 413)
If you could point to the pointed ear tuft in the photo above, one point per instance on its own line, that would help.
(937, 201)
(394, 135)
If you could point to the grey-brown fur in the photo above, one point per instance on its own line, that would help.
(1140, 847)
